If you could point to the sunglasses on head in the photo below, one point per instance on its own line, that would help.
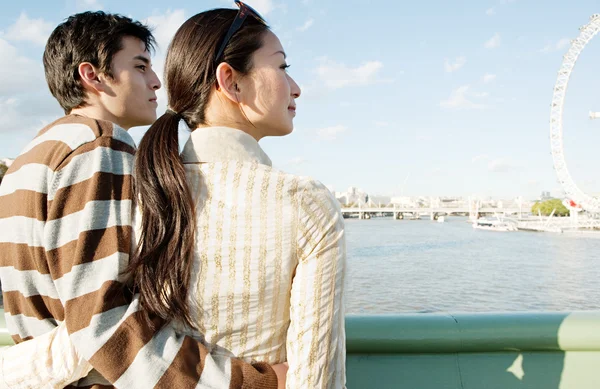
(242, 14)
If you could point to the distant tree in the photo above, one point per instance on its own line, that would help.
(3, 169)
(546, 208)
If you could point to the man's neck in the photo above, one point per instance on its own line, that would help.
(98, 113)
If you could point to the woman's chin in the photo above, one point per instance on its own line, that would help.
(281, 131)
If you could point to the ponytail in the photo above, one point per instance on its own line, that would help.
(162, 264)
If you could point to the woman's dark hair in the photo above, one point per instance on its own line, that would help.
(93, 37)
(162, 265)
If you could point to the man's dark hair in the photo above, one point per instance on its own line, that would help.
(93, 37)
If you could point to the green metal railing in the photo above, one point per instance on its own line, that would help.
(469, 351)
(474, 351)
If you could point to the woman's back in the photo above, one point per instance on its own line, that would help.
(269, 257)
(251, 257)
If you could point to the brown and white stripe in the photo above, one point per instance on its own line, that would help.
(67, 227)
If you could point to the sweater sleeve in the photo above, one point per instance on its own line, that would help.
(50, 360)
(87, 240)
(316, 336)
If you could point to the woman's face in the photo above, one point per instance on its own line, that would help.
(269, 91)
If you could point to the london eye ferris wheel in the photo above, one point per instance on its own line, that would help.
(573, 192)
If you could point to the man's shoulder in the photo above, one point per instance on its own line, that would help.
(63, 137)
(75, 131)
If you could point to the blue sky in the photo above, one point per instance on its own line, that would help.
(414, 98)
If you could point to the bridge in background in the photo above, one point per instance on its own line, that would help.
(433, 212)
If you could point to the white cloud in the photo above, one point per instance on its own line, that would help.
(381, 124)
(306, 25)
(29, 30)
(478, 158)
(460, 99)
(18, 74)
(17, 117)
(25, 102)
(88, 5)
(458, 63)
(487, 78)
(10, 115)
(337, 75)
(263, 6)
(330, 133)
(493, 42)
(296, 161)
(492, 10)
(563, 43)
(314, 91)
(560, 45)
(501, 165)
(165, 26)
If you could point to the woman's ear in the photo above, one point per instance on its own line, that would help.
(90, 77)
(227, 82)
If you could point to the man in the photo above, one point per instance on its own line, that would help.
(66, 215)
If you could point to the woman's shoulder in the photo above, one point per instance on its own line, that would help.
(314, 194)
(305, 184)
(305, 189)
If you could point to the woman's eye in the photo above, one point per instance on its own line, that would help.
(141, 67)
(285, 66)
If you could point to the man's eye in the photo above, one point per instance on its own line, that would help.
(285, 66)
(141, 67)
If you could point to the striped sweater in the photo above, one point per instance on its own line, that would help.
(66, 222)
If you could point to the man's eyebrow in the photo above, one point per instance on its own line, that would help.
(142, 58)
(280, 52)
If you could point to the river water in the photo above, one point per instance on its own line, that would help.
(423, 266)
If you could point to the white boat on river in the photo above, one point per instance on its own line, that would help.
(494, 225)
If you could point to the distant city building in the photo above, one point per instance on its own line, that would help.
(379, 200)
(357, 197)
(545, 196)
(403, 201)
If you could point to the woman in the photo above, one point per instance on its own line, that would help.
(248, 255)
(228, 247)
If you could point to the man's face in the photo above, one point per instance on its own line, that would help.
(131, 95)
